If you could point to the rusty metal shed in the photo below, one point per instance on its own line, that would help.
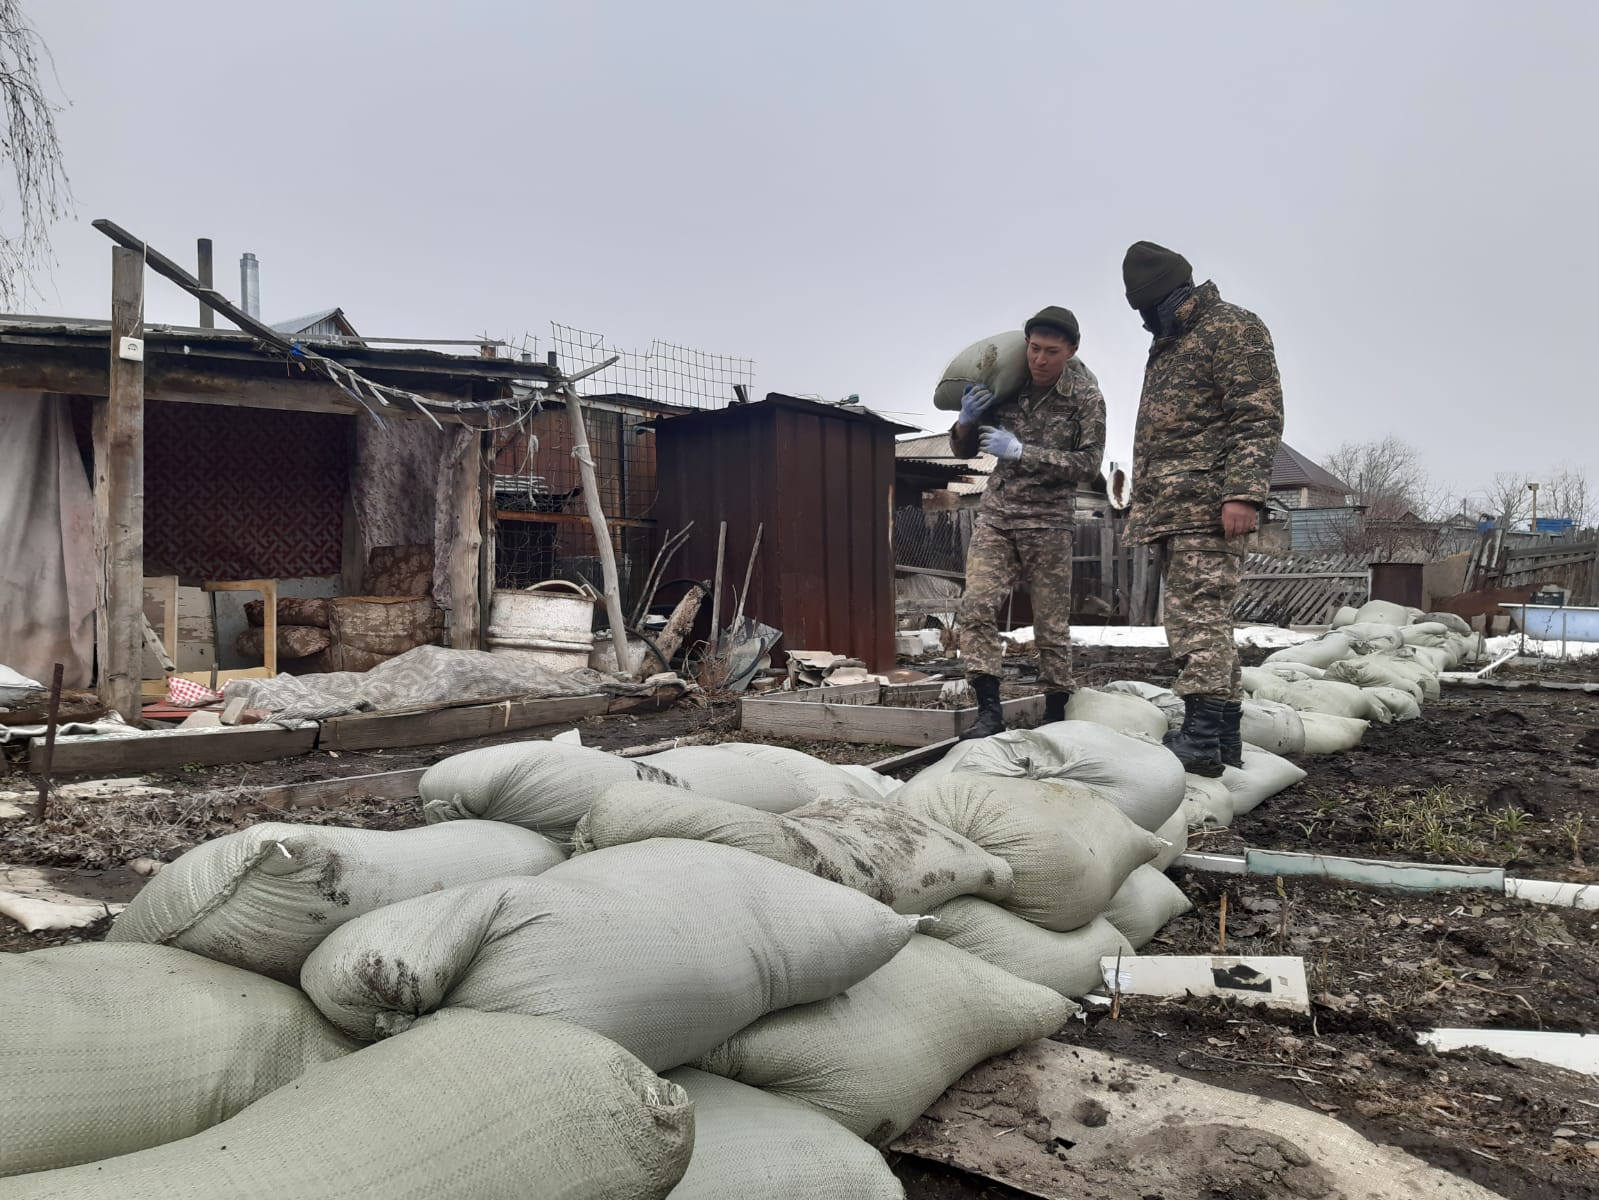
(820, 477)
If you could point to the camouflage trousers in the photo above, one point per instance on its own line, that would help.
(997, 562)
(1202, 574)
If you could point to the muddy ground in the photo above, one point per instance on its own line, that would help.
(1503, 777)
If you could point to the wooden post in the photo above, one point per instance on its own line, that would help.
(208, 317)
(1107, 567)
(119, 499)
(463, 540)
(42, 808)
(602, 536)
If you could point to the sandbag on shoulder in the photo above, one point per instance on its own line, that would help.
(265, 897)
(107, 1049)
(1332, 697)
(1139, 776)
(1272, 726)
(542, 786)
(883, 850)
(464, 1105)
(1143, 906)
(810, 776)
(877, 1056)
(1323, 652)
(751, 1143)
(1261, 777)
(1117, 710)
(1327, 734)
(1065, 962)
(1208, 803)
(1068, 848)
(667, 947)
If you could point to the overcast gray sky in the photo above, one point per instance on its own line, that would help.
(849, 193)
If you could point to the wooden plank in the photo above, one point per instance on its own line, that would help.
(1270, 980)
(563, 518)
(869, 692)
(330, 793)
(870, 724)
(919, 757)
(380, 731)
(902, 569)
(269, 615)
(121, 540)
(170, 749)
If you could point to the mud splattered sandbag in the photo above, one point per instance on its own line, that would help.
(1138, 775)
(1326, 734)
(751, 1143)
(1143, 906)
(1330, 696)
(667, 947)
(1401, 704)
(1323, 652)
(1261, 777)
(1064, 962)
(810, 775)
(542, 786)
(464, 1105)
(1208, 803)
(880, 849)
(1164, 699)
(265, 897)
(875, 1057)
(741, 779)
(1272, 726)
(1261, 684)
(1372, 637)
(107, 1049)
(1068, 848)
(1120, 711)
(1380, 670)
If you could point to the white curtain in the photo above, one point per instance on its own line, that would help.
(46, 542)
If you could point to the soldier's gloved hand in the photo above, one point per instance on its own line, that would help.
(1001, 443)
(975, 401)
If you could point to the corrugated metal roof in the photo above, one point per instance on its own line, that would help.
(1291, 469)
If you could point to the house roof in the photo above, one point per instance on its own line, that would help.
(776, 400)
(1291, 469)
(934, 448)
(311, 320)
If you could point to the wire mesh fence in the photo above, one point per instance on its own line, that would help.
(665, 373)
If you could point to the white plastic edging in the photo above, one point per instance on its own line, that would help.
(1573, 1051)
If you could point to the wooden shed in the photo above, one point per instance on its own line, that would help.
(820, 479)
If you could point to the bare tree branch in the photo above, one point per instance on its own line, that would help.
(41, 193)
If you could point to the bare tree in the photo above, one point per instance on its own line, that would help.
(1385, 477)
(1565, 494)
(42, 193)
(1508, 500)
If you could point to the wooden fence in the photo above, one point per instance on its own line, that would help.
(1571, 565)
(1301, 591)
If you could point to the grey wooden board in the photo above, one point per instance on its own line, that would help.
(870, 724)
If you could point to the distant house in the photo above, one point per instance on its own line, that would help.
(329, 323)
(1298, 482)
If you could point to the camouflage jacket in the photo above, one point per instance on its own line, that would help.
(1209, 421)
(1062, 432)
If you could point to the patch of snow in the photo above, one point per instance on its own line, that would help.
(1147, 637)
(1511, 644)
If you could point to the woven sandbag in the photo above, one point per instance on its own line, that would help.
(813, 776)
(105, 1050)
(1345, 615)
(465, 1105)
(1175, 833)
(1372, 637)
(1272, 726)
(741, 779)
(1327, 734)
(265, 897)
(1323, 652)
(667, 947)
(1331, 696)
(1064, 962)
(1138, 775)
(1169, 703)
(1068, 848)
(1117, 710)
(1292, 672)
(1261, 684)
(1450, 621)
(1261, 777)
(1436, 659)
(879, 785)
(1380, 670)
(1208, 803)
(1425, 633)
(1384, 612)
(542, 786)
(1401, 704)
(750, 1143)
(1424, 665)
(1143, 906)
(880, 849)
(877, 1056)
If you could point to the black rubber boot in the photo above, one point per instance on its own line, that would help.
(990, 717)
(1197, 744)
(1055, 706)
(1232, 742)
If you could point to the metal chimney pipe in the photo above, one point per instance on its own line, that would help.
(250, 285)
(208, 319)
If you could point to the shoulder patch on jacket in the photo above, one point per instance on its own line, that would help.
(1262, 365)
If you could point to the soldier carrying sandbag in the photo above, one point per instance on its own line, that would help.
(1209, 423)
(1050, 438)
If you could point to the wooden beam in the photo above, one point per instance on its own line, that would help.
(919, 757)
(120, 537)
(902, 569)
(564, 518)
(382, 731)
(331, 793)
(870, 724)
(170, 749)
